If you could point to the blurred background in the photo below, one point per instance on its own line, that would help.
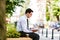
(47, 11)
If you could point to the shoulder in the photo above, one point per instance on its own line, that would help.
(22, 17)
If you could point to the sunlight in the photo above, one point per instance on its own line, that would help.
(39, 8)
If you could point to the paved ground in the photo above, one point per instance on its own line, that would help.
(43, 36)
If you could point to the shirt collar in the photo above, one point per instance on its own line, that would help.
(26, 17)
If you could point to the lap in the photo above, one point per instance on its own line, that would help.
(31, 34)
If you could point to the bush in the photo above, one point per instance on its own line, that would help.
(11, 32)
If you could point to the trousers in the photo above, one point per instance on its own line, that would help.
(32, 35)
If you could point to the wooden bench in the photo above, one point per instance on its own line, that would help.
(21, 38)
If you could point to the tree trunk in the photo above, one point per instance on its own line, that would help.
(2, 20)
(57, 17)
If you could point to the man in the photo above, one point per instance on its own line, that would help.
(23, 26)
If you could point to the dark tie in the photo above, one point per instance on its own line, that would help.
(27, 24)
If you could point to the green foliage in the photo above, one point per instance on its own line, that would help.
(54, 4)
(10, 5)
(11, 31)
(55, 8)
(47, 17)
(56, 11)
(47, 14)
(13, 34)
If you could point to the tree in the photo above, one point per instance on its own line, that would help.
(2, 20)
(10, 5)
(47, 14)
(56, 8)
(47, 10)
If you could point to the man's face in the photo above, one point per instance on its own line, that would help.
(29, 14)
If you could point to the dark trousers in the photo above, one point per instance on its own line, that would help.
(32, 35)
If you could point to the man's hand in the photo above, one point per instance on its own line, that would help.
(34, 30)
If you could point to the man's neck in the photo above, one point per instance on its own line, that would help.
(27, 16)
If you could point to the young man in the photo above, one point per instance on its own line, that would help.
(23, 26)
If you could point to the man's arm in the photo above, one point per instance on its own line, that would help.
(35, 28)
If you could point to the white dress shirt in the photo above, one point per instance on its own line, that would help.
(22, 24)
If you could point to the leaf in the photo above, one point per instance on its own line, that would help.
(10, 5)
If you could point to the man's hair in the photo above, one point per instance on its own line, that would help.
(28, 11)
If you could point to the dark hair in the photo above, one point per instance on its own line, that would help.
(28, 11)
